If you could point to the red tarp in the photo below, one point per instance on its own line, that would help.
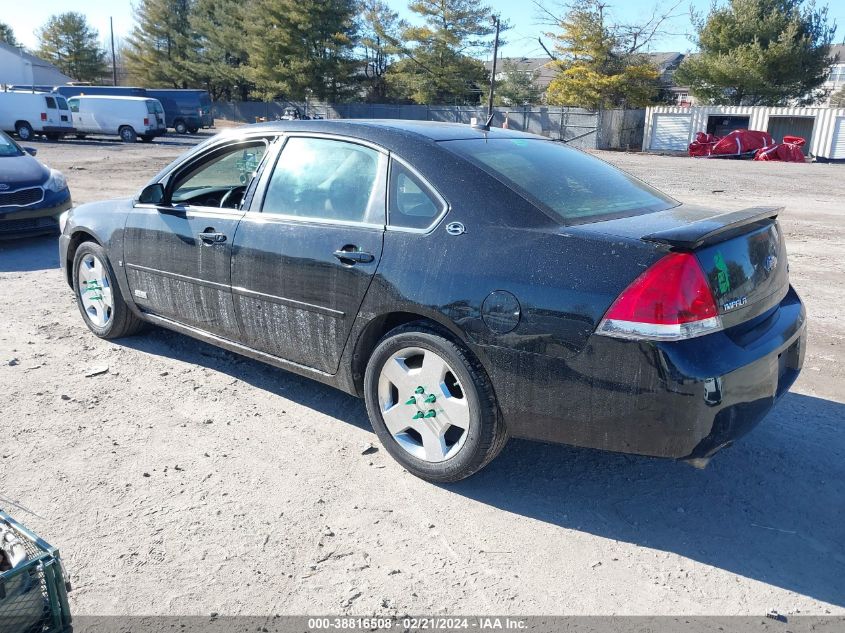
(734, 144)
(789, 151)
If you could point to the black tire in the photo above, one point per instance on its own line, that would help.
(487, 433)
(81, 136)
(193, 130)
(123, 321)
(127, 134)
(147, 139)
(51, 136)
(24, 131)
(180, 127)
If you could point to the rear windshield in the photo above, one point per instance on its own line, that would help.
(8, 147)
(153, 107)
(62, 103)
(567, 183)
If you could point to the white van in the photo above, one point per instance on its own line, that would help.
(29, 113)
(129, 118)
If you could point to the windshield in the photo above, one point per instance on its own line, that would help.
(563, 181)
(8, 147)
(153, 107)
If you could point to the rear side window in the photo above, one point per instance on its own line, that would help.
(326, 179)
(568, 184)
(412, 204)
(51, 103)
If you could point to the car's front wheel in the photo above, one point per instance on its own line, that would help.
(432, 405)
(98, 295)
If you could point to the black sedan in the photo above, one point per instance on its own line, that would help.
(470, 285)
(32, 196)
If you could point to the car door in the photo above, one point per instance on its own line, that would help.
(305, 253)
(178, 252)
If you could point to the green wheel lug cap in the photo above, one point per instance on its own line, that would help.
(418, 415)
(431, 398)
(430, 413)
(411, 400)
(419, 390)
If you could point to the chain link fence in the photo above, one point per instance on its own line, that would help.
(606, 129)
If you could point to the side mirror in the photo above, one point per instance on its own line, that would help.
(152, 194)
(30, 150)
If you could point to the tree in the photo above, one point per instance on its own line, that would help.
(599, 63)
(838, 98)
(378, 34)
(7, 35)
(301, 46)
(69, 43)
(516, 86)
(438, 64)
(219, 59)
(760, 52)
(158, 49)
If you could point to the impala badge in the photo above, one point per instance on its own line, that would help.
(736, 303)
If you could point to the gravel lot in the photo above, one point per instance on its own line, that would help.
(188, 480)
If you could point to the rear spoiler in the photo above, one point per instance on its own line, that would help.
(715, 229)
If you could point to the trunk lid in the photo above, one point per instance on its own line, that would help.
(742, 253)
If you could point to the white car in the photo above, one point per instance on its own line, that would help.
(129, 118)
(29, 113)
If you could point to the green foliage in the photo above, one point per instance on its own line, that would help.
(159, 49)
(70, 44)
(437, 64)
(378, 36)
(301, 46)
(218, 62)
(7, 35)
(515, 86)
(760, 52)
(597, 67)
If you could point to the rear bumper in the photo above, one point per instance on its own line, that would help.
(38, 219)
(684, 399)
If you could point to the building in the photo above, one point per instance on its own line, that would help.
(672, 128)
(836, 78)
(19, 67)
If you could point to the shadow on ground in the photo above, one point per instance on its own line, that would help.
(29, 254)
(771, 508)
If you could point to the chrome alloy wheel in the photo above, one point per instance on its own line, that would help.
(95, 290)
(423, 405)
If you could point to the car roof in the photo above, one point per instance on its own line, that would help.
(376, 129)
(112, 97)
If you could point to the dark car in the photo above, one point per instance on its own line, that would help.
(32, 196)
(468, 284)
(186, 111)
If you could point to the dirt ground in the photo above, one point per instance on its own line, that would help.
(187, 480)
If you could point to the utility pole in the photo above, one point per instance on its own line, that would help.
(113, 59)
(497, 23)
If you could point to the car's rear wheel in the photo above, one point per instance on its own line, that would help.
(146, 138)
(180, 127)
(24, 131)
(98, 295)
(127, 134)
(432, 405)
(193, 129)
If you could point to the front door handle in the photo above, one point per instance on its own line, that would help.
(210, 236)
(354, 257)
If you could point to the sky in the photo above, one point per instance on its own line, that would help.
(521, 40)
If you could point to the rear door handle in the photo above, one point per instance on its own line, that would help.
(210, 236)
(355, 257)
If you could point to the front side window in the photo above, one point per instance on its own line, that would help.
(8, 147)
(325, 179)
(220, 180)
(412, 204)
(568, 184)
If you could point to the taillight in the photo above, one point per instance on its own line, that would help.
(146, 121)
(668, 302)
(43, 116)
